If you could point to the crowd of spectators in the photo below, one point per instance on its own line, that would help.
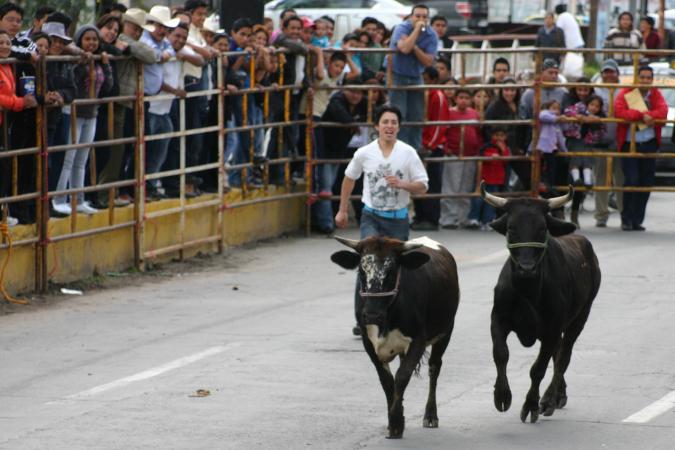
(179, 51)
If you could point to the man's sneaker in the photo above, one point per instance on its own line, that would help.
(119, 201)
(449, 226)
(601, 223)
(424, 226)
(356, 331)
(472, 224)
(86, 208)
(12, 221)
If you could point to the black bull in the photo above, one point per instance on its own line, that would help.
(545, 291)
(409, 298)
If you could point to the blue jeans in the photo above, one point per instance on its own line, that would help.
(241, 152)
(637, 172)
(157, 150)
(411, 104)
(481, 210)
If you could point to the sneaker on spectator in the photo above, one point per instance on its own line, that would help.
(127, 198)
(12, 221)
(450, 226)
(62, 208)
(119, 201)
(601, 223)
(423, 226)
(472, 224)
(86, 208)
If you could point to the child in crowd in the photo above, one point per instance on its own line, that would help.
(494, 174)
(449, 92)
(443, 67)
(459, 177)
(593, 133)
(481, 100)
(551, 140)
(320, 36)
(88, 38)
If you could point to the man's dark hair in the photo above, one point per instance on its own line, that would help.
(291, 19)
(118, 7)
(463, 90)
(40, 35)
(650, 21)
(183, 26)
(498, 129)
(501, 60)
(338, 56)
(8, 7)
(437, 18)
(445, 61)
(419, 6)
(368, 20)
(43, 11)
(287, 10)
(328, 18)
(241, 23)
(387, 107)
(645, 67)
(60, 17)
(559, 9)
(191, 5)
(431, 72)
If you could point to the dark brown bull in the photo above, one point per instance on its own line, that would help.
(409, 297)
(545, 291)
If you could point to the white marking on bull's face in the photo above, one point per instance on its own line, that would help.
(427, 242)
(389, 346)
(375, 271)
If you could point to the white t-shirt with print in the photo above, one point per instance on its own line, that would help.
(402, 162)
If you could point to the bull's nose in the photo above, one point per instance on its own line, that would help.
(527, 267)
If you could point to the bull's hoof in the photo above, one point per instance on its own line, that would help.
(562, 401)
(529, 411)
(502, 399)
(430, 422)
(547, 409)
(395, 433)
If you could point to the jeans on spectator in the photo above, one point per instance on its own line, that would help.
(638, 172)
(75, 161)
(458, 178)
(325, 176)
(241, 151)
(156, 151)
(411, 104)
(429, 210)
(481, 210)
(602, 198)
(196, 110)
(57, 134)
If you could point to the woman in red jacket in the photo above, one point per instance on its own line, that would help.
(9, 101)
(639, 171)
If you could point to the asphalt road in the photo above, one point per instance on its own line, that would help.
(268, 334)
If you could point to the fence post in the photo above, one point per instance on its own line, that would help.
(42, 184)
(536, 160)
(139, 175)
(309, 165)
(221, 149)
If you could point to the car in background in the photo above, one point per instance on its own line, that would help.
(347, 14)
(464, 17)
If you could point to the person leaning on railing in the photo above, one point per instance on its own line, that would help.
(120, 161)
(639, 171)
(9, 101)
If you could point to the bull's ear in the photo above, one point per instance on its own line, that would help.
(346, 259)
(559, 227)
(413, 260)
(499, 225)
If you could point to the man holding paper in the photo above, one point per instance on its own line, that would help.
(641, 106)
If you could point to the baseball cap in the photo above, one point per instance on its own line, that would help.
(610, 64)
(550, 63)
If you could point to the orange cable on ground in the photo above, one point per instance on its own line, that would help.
(4, 229)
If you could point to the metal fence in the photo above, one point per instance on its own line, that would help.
(36, 190)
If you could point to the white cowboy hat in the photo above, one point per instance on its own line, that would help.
(162, 15)
(212, 24)
(137, 17)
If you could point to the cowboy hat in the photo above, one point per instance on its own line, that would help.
(162, 15)
(137, 17)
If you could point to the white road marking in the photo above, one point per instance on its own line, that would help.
(150, 373)
(662, 405)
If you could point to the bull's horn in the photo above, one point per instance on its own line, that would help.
(351, 243)
(495, 201)
(410, 246)
(557, 202)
